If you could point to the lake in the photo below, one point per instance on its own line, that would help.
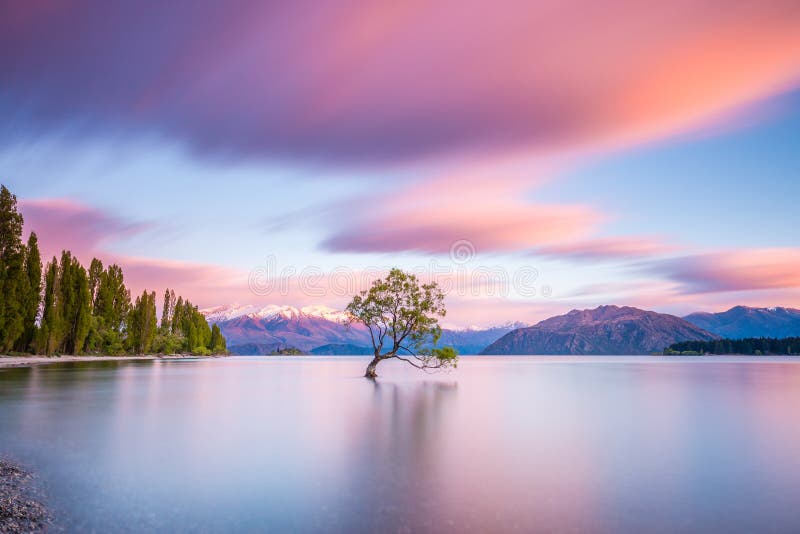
(502, 444)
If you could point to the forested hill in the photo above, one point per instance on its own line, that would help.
(63, 308)
(755, 346)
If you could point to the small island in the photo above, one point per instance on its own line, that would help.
(287, 351)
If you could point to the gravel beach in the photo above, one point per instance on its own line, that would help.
(21, 509)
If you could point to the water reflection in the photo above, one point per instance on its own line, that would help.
(395, 476)
(501, 445)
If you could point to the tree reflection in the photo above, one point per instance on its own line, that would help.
(394, 467)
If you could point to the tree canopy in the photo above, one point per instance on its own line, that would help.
(64, 308)
(402, 316)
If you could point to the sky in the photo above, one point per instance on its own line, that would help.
(531, 157)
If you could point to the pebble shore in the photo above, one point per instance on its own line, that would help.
(21, 509)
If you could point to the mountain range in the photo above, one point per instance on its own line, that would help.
(742, 322)
(603, 330)
(320, 330)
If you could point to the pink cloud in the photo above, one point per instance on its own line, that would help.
(370, 82)
(681, 285)
(481, 202)
(378, 80)
(609, 248)
(67, 224)
(486, 228)
(63, 224)
(734, 270)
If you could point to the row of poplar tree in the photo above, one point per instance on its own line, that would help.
(65, 309)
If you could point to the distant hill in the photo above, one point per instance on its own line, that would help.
(320, 330)
(744, 322)
(603, 330)
(474, 340)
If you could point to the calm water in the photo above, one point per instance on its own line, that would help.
(501, 444)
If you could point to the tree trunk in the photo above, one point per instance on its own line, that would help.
(372, 368)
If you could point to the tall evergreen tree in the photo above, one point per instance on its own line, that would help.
(177, 316)
(113, 298)
(12, 273)
(50, 332)
(111, 304)
(95, 276)
(143, 326)
(75, 303)
(33, 297)
(217, 344)
(168, 311)
(84, 310)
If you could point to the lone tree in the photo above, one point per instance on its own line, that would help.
(402, 316)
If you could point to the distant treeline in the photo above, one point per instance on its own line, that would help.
(756, 346)
(65, 309)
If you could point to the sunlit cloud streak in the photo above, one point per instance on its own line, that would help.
(64, 224)
(609, 248)
(386, 81)
(87, 232)
(733, 270)
(489, 227)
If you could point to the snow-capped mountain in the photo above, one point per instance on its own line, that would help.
(253, 329)
(266, 329)
(227, 312)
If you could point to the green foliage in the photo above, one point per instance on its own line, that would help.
(32, 297)
(74, 302)
(95, 277)
(66, 312)
(168, 343)
(189, 326)
(85, 310)
(13, 280)
(142, 324)
(217, 343)
(446, 354)
(168, 311)
(402, 316)
(111, 305)
(748, 346)
(112, 300)
(287, 351)
(49, 333)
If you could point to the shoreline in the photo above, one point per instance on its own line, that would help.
(21, 501)
(28, 361)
